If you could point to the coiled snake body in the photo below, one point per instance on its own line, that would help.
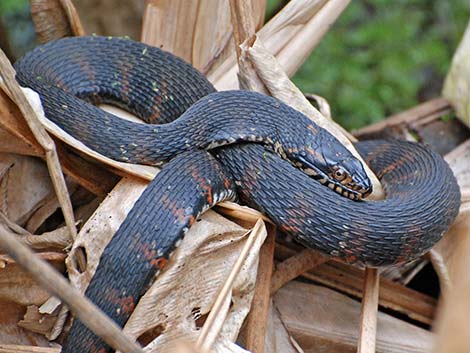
(273, 172)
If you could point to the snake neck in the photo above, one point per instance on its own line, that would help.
(73, 74)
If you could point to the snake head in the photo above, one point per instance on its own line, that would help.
(333, 165)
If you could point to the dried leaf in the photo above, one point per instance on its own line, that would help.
(11, 333)
(197, 31)
(278, 340)
(184, 293)
(99, 229)
(17, 291)
(34, 321)
(24, 187)
(15, 135)
(13, 348)
(334, 327)
(144, 172)
(279, 85)
(446, 257)
(111, 17)
(50, 20)
(308, 37)
(31, 115)
(297, 28)
(457, 83)
(17, 286)
(57, 239)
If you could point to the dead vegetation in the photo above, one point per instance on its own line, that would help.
(252, 293)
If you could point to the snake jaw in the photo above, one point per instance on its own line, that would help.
(362, 186)
(354, 187)
(318, 174)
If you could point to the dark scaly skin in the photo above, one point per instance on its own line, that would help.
(144, 241)
(375, 233)
(158, 87)
(138, 77)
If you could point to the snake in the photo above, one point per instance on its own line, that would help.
(228, 145)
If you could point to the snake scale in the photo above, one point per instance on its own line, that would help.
(220, 144)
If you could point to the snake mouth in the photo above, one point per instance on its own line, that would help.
(351, 191)
(353, 187)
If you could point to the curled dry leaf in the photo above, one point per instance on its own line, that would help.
(457, 83)
(287, 22)
(279, 85)
(15, 135)
(144, 172)
(274, 78)
(92, 176)
(11, 333)
(99, 229)
(322, 104)
(31, 115)
(324, 318)
(51, 20)
(57, 239)
(111, 17)
(451, 325)
(447, 255)
(275, 34)
(72, 16)
(297, 28)
(198, 31)
(47, 208)
(54, 283)
(17, 286)
(181, 298)
(308, 37)
(277, 338)
(17, 291)
(14, 348)
(243, 25)
(34, 321)
(25, 186)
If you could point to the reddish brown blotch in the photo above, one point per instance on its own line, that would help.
(127, 303)
(202, 182)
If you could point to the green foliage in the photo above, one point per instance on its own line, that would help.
(383, 56)
(16, 20)
(11, 6)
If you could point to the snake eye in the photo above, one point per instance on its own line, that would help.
(340, 174)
